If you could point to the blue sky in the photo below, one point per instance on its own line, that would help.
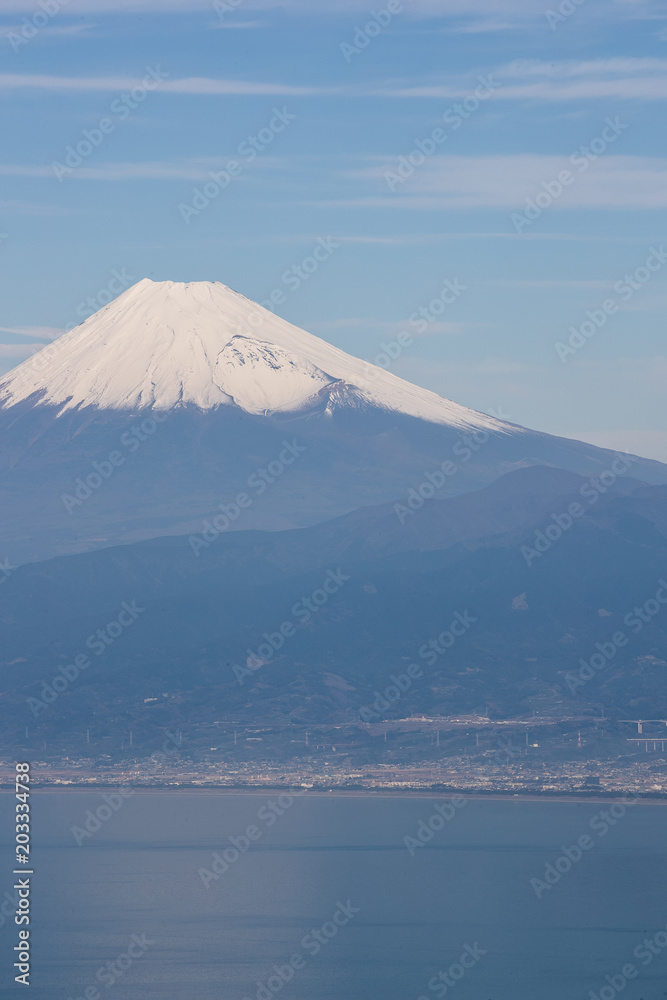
(317, 105)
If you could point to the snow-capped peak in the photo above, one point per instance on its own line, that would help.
(166, 344)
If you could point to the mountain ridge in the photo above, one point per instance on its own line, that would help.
(165, 404)
(534, 621)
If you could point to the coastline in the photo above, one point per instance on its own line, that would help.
(649, 798)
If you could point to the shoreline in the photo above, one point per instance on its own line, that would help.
(649, 798)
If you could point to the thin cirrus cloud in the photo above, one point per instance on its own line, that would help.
(389, 326)
(565, 81)
(623, 78)
(187, 85)
(447, 182)
(241, 24)
(150, 170)
(479, 27)
(463, 17)
(52, 30)
(496, 11)
(506, 181)
(428, 8)
(622, 65)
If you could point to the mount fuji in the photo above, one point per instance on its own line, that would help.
(164, 345)
(178, 399)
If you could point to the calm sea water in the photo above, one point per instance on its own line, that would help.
(404, 918)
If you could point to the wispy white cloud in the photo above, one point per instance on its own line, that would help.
(389, 326)
(619, 66)
(506, 181)
(429, 8)
(239, 25)
(458, 379)
(424, 239)
(443, 182)
(649, 88)
(529, 80)
(565, 80)
(19, 350)
(439, 328)
(413, 239)
(195, 169)
(546, 283)
(50, 30)
(195, 85)
(482, 27)
(492, 15)
(9, 333)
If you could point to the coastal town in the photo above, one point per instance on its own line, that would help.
(536, 756)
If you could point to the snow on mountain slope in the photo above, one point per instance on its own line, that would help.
(168, 344)
(262, 377)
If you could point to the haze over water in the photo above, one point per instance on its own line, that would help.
(469, 886)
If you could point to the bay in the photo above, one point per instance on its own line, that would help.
(330, 902)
